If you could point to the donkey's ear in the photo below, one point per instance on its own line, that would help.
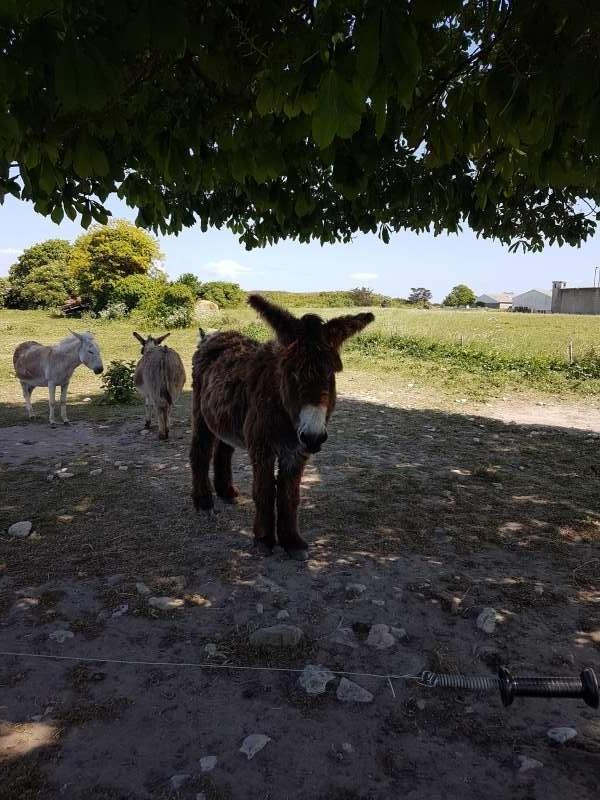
(339, 329)
(140, 339)
(78, 335)
(162, 338)
(285, 325)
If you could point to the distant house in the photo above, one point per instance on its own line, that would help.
(501, 301)
(585, 300)
(535, 300)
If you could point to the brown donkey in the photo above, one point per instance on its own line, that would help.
(159, 378)
(273, 399)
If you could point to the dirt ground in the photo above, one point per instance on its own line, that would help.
(437, 514)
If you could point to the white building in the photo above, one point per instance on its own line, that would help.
(539, 300)
(501, 302)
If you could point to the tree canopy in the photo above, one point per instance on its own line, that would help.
(107, 253)
(419, 295)
(460, 295)
(39, 255)
(307, 120)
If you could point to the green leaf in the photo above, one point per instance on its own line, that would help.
(368, 45)
(88, 158)
(339, 110)
(379, 96)
(57, 214)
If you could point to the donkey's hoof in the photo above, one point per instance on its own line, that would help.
(263, 548)
(298, 555)
(228, 495)
(210, 513)
(66, 422)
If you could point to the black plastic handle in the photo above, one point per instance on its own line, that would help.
(584, 687)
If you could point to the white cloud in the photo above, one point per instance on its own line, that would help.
(364, 276)
(227, 269)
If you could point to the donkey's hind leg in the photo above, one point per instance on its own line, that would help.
(223, 476)
(163, 421)
(27, 391)
(200, 454)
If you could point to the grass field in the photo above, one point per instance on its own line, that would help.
(474, 354)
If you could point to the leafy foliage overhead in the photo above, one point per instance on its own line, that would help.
(307, 120)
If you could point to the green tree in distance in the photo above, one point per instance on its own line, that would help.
(224, 294)
(460, 295)
(419, 295)
(47, 286)
(107, 253)
(307, 120)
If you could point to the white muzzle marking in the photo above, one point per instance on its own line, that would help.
(312, 421)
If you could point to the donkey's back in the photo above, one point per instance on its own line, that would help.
(30, 360)
(160, 377)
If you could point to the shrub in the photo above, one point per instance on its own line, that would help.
(461, 295)
(172, 306)
(135, 290)
(114, 311)
(4, 291)
(46, 286)
(191, 280)
(118, 384)
(362, 296)
(225, 295)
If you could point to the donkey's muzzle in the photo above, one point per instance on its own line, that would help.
(98, 370)
(313, 441)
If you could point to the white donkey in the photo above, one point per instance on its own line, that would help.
(40, 365)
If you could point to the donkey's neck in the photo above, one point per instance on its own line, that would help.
(67, 353)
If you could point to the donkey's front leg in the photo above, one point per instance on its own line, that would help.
(201, 452)
(51, 401)
(288, 500)
(63, 403)
(263, 491)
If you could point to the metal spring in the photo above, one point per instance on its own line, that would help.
(584, 687)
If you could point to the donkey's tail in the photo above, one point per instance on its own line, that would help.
(164, 393)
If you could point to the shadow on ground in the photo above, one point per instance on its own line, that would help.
(437, 515)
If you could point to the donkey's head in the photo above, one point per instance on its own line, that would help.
(150, 343)
(308, 362)
(89, 352)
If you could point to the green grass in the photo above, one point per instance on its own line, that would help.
(476, 354)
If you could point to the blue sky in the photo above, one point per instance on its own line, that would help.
(437, 263)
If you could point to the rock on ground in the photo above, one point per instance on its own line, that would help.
(208, 763)
(350, 692)
(561, 735)
(355, 589)
(20, 529)
(277, 636)
(166, 603)
(380, 637)
(526, 764)
(61, 635)
(177, 781)
(253, 744)
(314, 678)
(486, 621)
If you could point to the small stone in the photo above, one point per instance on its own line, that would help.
(421, 705)
(210, 649)
(253, 744)
(144, 432)
(378, 602)
(314, 679)
(355, 589)
(486, 621)
(166, 603)
(561, 735)
(350, 692)
(344, 637)
(177, 781)
(208, 763)
(380, 637)
(96, 471)
(61, 635)
(87, 400)
(142, 588)
(114, 580)
(259, 608)
(347, 748)
(65, 518)
(120, 610)
(64, 475)
(526, 764)
(123, 468)
(277, 636)
(283, 614)
(19, 530)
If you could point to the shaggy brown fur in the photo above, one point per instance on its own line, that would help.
(159, 378)
(273, 399)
